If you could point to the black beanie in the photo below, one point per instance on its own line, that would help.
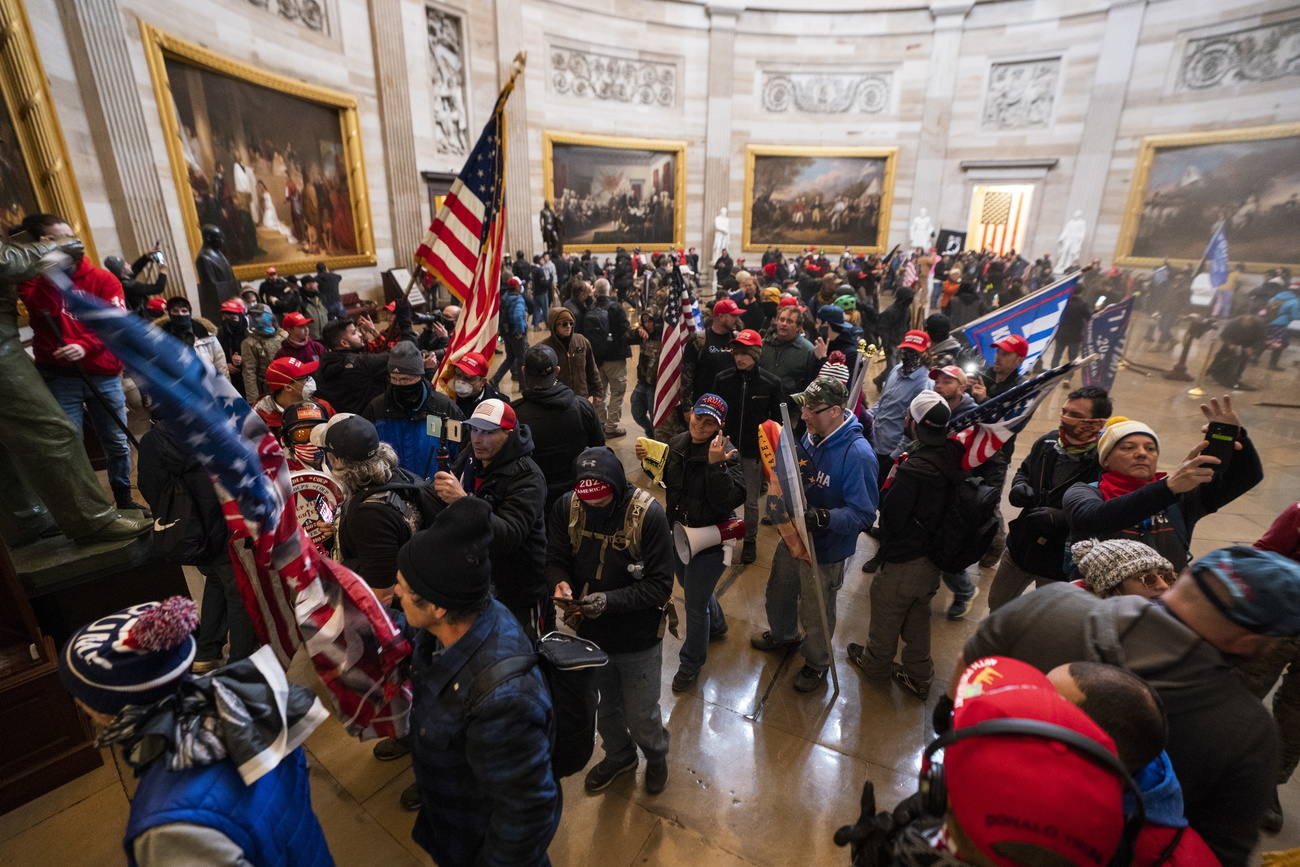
(447, 564)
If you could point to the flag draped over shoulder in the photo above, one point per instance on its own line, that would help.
(292, 594)
(1104, 337)
(1034, 317)
(1216, 253)
(986, 428)
(681, 318)
(463, 247)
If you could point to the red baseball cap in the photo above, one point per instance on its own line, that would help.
(294, 319)
(472, 364)
(234, 305)
(492, 414)
(390, 306)
(270, 270)
(156, 305)
(1043, 792)
(1015, 343)
(726, 305)
(591, 490)
(284, 371)
(513, 281)
(918, 340)
(790, 301)
(951, 370)
(748, 337)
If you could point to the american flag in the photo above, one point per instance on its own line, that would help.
(909, 274)
(984, 430)
(680, 321)
(463, 245)
(291, 593)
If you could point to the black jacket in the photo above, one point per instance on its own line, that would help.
(912, 507)
(350, 378)
(562, 425)
(516, 490)
(618, 326)
(702, 363)
(753, 396)
(164, 455)
(373, 528)
(327, 283)
(1036, 537)
(634, 599)
(466, 405)
(700, 494)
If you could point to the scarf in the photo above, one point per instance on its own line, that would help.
(247, 712)
(911, 361)
(1113, 484)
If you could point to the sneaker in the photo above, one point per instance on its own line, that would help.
(719, 632)
(750, 552)
(391, 749)
(857, 654)
(615, 433)
(1272, 823)
(959, 608)
(684, 680)
(766, 643)
(765, 521)
(656, 776)
(907, 682)
(606, 771)
(410, 798)
(808, 679)
(871, 566)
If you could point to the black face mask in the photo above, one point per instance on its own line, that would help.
(237, 329)
(410, 397)
(182, 322)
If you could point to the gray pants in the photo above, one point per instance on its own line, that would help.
(1010, 581)
(900, 608)
(791, 602)
(753, 471)
(628, 715)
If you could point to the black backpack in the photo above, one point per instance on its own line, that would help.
(968, 525)
(595, 327)
(568, 666)
(187, 529)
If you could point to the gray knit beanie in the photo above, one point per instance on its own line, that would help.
(1105, 565)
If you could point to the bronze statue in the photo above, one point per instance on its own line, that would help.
(550, 237)
(217, 281)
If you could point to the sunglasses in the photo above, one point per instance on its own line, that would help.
(564, 323)
(1152, 579)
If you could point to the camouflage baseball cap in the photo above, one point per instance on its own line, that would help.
(823, 390)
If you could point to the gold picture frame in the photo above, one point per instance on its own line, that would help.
(26, 95)
(1184, 184)
(348, 161)
(639, 224)
(789, 226)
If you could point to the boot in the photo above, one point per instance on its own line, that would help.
(122, 500)
(118, 530)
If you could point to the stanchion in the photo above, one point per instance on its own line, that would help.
(1199, 389)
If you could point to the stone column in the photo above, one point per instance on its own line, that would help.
(396, 129)
(717, 133)
(522, 231)
(1101, 120)
(936, 116)
(101, 54)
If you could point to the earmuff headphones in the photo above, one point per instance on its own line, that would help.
(934, 788)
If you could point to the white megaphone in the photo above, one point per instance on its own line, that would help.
(690, 541)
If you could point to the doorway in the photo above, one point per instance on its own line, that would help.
(998, 217)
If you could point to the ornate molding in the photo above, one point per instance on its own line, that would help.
(609, 78)
(308, 13)
(447, 63)
(1247, 56)
(827, 92)
(1021, 94)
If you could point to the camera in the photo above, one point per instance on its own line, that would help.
(433, 318)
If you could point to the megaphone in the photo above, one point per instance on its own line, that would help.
(690, 541)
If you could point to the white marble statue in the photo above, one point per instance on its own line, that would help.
(922, 230)
(721, 233)
(1071, 241)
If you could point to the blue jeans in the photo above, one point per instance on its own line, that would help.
(936, 290)
(960, 585)
(74, 396)
(628, 716)
(791, 583)
(703, 613)
(641, 397)
(541, 306)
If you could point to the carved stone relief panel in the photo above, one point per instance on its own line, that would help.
(447, 69)
(827, 92)
(589, 74)
(308, 13)
(1021, 94)
(1250, 55)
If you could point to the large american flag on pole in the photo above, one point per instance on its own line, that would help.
(1034, 317)
(984, 429)
(681, 315)
(293, 595)
(464, 244)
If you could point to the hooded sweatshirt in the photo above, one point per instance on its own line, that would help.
(562, 425)
(844, 471)
(416, 432)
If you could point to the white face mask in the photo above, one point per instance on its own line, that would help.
(308, 387)
(462, 388)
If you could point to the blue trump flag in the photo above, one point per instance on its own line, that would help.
(1104, 337)
(1034, 317)
(1217, 255)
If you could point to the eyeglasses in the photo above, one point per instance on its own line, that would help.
(1153, 578)
(818, 411)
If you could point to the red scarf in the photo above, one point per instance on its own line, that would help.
(1113, 484)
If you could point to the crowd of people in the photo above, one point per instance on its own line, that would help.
(484, 518)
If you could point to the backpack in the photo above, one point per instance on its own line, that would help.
(416, 501)
(183, 530)
(568, 665)
(595, 327)
(627, 538)
(968, 525)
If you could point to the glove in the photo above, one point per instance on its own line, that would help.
(1044, 518)
(941, 717)
(592, 605)
(816, 519)
(72, 247)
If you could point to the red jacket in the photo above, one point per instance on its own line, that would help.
(1284, 534)
(41, 296)
(1171, 847)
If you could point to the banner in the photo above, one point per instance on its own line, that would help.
(1034, 317)
(1217, 255)
(950, 242)
(1104, 337)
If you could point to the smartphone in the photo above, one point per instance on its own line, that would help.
(1222, 439)
(824, 332)
(325, 510)
(158, 256)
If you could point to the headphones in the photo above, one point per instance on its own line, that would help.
(934, 788)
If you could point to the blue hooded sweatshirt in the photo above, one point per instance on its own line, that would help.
(844, 470)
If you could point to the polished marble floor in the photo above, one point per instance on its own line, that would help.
(759, 774)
